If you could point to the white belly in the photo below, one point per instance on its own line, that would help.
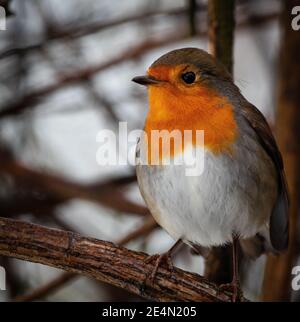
(232, 195)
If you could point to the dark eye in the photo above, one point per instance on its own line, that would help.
(188, 77)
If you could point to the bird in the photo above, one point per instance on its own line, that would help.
(241, 195)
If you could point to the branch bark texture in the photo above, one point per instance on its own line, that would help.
(103, 261)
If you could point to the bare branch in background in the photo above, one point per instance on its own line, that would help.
(192, 4)
(31, 99)
(48, 288)
(84, 30)
(59, 190)
(220, 31)
(144, 230)
(221, 23)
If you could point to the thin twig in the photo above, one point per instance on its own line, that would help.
(83, 30)
(145, 229)
(48, 288)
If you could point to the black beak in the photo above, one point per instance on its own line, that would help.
(146, 80)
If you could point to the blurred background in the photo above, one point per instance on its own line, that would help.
(65, 74)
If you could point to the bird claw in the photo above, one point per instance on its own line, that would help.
(235, 289)
(158, 260)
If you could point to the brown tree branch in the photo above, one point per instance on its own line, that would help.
(103, 261)
(221, 28)
(148, 226)
(192, 5)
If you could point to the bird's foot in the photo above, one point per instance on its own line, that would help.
(235, 289)
(157, 259)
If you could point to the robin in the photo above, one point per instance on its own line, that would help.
(241, 194)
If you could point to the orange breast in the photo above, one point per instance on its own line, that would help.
(200, 109)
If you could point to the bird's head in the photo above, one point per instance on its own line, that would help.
(186, 91)
(185, 68)
(183, 74)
